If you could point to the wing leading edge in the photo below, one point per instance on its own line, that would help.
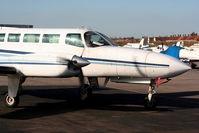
(7, 70)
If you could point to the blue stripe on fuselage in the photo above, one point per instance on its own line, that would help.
(6, 55)
(14, 52)
(100, 61)
(32, 63)
(126, 62)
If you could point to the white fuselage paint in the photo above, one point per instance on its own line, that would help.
(190, 54)
(51, 60)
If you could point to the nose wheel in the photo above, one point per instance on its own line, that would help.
(150, 102)
(11, 102)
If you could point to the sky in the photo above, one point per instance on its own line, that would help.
(116, 18)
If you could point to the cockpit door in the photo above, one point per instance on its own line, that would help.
(99, 55)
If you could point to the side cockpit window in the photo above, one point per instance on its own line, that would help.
(2, 36)
(74, 40)
(95, 40)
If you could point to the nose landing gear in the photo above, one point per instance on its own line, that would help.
(150, 102)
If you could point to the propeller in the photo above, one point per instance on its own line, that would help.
(77, 63)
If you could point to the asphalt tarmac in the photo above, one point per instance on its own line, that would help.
(51, 106)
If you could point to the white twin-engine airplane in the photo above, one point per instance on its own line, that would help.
(62, 53)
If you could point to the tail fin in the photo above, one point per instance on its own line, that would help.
(173, 51)
(148, 40)
(142, 41)
(180, 43)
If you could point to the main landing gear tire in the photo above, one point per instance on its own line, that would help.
(85, 93)
(193, 65)
(11, 102)
(150, 104)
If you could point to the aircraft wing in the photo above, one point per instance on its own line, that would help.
(7, 70)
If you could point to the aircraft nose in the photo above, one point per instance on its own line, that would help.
(177, 67)
(165, 66)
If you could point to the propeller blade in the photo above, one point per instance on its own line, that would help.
(81, 78)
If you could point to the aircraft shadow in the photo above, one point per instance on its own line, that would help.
(65, 100)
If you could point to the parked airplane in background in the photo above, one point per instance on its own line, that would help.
(194, 46)
(62, 53)
(139, 45)
(190, 56)
(186, 54)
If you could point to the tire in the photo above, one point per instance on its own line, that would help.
(193, 65)
(11, 102)
(85, 93)
(150, 104)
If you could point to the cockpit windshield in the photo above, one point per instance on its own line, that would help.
(95, 39)
(108, 39)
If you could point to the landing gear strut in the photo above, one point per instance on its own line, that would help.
(85, 90)
(11, 99)
(151, 101)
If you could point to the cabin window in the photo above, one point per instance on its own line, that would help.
(74, 39)
(51, 38)
(2, 36)
(31, 38)
(13, 37)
